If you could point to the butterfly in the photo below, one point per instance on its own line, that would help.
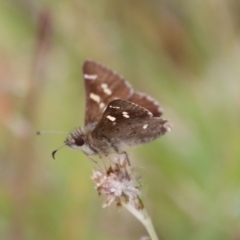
(116, 116)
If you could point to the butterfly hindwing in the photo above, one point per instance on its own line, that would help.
(127, 123)
(147, 102)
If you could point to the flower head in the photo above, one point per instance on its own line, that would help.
(118, 183)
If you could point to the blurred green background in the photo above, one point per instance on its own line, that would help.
(186, 54)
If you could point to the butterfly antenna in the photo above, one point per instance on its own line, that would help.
(54, 152)
(50, 132)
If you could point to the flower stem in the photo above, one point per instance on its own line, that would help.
(144, 218)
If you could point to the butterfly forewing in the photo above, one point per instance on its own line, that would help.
(102, 86)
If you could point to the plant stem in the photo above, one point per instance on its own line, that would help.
(144, 218)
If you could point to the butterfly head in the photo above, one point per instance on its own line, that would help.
(75, 140)
(78, 140)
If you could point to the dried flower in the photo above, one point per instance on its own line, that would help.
(118, 183)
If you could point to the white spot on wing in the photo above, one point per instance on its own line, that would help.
(114, 107)
(125, 114)
(101, 105)
(90, 76)
(107, 91)
(111, 118)
(145, 126)
(168, 128)
(95, 97)
(104, 85)
(105, 88)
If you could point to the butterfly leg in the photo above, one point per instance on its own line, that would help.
(116, 149)
(126, 157)
(100, 153)
(93, 159)
(124, 153)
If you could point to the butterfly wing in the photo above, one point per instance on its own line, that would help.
(125, 124)
(102, 85)
(147, 102)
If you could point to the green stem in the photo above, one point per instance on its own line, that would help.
(144, 218)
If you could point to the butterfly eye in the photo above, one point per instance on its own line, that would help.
(79, 141)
